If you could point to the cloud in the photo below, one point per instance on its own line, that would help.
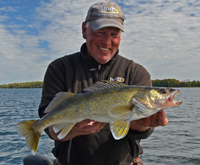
(3, 18)
(162, 35)
(64, 21)
(8, 9)
(19, 56)
(20, 18)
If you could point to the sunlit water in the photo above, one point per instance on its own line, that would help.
(177, 143)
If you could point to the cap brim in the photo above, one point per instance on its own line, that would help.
(105, 22)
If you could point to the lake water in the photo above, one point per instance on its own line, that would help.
(177, 143)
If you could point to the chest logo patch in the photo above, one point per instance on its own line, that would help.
(118, 79)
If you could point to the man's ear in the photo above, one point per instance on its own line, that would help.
(84, 30)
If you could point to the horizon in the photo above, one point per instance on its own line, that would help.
(161, 35)
(187, 80)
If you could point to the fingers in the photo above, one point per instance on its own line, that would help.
(158, 119)
(87, 127)
(163, 121)
(154, 120)
(83, 123)
(101, 126)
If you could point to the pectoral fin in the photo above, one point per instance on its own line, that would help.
(65, 130)
(123, 110)
(119, 128)
(59, 127)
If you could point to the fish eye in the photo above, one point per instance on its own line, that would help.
(163, 91)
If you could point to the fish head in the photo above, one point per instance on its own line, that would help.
(150, 100)
(163, 97)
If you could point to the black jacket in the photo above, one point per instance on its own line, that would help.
(73, 73)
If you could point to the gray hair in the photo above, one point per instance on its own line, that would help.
(87, 24)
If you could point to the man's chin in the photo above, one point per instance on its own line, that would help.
(102, 60)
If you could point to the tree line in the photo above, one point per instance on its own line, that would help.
(175, 83)
(36, 84)
(158, 83)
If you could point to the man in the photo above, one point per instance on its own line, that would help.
(90, 142)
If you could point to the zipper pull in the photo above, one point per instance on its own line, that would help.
(99, 67)
(93, 69)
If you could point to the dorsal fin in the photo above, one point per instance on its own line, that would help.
(60, 97)
(103, 85)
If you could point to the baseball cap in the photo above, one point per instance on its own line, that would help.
(105, 14)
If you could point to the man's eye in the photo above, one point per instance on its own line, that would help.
(100, 33)
(114, 35)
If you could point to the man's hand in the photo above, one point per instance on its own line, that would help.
(158, 119)
(82, 128)
(87, 126)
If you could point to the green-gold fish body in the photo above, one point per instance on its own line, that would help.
(108, 102)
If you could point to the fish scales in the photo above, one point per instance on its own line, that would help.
(104, 100)
(108, 102)
(74, 108)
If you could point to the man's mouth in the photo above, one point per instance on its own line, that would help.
(103, 49)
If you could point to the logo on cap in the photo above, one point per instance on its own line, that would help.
(108, 9)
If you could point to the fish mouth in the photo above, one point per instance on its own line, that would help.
(172, 96)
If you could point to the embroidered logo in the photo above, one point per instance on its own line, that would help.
(108, 9)
(118, 79)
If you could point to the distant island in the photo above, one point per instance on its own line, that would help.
(36, 84)
(158, 83)
(175, 83)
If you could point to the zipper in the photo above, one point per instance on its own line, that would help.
(98, 69)
(99, 72)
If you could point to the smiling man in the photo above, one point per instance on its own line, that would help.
(91, 142)
(102, 44)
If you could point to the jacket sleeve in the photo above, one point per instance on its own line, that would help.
(54, 82)
(141, 77)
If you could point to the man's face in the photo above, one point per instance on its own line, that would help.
(103, 43)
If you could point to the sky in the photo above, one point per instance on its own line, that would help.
(161, 35)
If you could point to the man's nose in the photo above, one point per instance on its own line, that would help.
(107, 39)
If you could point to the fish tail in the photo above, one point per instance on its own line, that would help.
(32, 135)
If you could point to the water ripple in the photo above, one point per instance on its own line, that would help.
(17, 105)
(179, 141)
(176, 143)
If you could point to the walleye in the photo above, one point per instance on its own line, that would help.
(106, 101)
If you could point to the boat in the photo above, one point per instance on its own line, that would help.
(36, 159)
